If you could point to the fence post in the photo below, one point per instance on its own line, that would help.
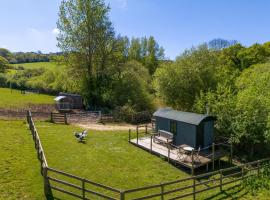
(213, 156)
(162, 191)
(231, 152)
(46, 181)
(65, 118)
(194, 188)
(192, 162)
(151, 143)
(129, 136)
(27, 117)
(168, 152)
(83, 188)
(242, 170)
(146, 131)
(220, 179)
(137, 130)
(51, 117)
(122, 195)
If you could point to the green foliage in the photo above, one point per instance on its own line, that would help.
(256, 183)
(130, 87)
(5, 54)
(180, 82)
(242, 110)
(147, 51)
(253, 104)
(3, 64)
(103, 65)
(221, 103)
(3, 80)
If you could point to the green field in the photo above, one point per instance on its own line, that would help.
(34, 65)
(106, 158)
(14, 99)
(20, 170)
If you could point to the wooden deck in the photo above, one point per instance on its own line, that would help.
(204, 157)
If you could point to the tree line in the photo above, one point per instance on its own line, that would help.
(234, 82)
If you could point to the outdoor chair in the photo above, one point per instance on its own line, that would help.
(80, 136)
(196, 155)
(181, 154)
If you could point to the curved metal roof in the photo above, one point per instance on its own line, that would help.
(187, 117)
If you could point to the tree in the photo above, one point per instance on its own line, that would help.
(180, 82)
(253, 55)
(253, 106)
(221, 103)
(87, 36)
(5, 54)
(130, 87)
(3, 64)
(154, 54)
(135, 50)
(218, 44)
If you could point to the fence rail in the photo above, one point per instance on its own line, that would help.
(85, 189)
(59, 118)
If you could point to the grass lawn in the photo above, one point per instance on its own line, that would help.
(108, 158)
(44, 65)
(15, 99)
(20, 170)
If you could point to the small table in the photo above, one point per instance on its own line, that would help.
(188, 149)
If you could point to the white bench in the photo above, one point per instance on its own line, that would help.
(163, 137)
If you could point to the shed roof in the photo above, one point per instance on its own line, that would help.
(69, 94)
(59, 98)
(187, 117)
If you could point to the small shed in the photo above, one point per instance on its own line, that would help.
(195, 130)
(68, 101)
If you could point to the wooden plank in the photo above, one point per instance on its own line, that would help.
(66, 192)
(99, 194)
(64, 183)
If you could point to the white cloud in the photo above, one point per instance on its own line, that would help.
(55, 31)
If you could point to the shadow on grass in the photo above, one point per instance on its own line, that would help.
(229, 193)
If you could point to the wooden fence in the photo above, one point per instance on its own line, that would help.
(213, 152)
(190, 187)
(59, 118)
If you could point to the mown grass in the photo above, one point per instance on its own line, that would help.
(19, 168)
(14, 99)
(106, 157)
(35, 65)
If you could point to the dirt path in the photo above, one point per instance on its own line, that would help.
(106, 127)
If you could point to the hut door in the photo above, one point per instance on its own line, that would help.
(200, 136)
(173, 127)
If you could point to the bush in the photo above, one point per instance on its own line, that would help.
(255, 183)
(3, 80)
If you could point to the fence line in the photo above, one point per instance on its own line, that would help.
(221, 178)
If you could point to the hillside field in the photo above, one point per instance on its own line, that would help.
(44, 65)
(15, 100)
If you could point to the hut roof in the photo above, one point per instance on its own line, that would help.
(187, 117)
(69, 94)
(59, 98)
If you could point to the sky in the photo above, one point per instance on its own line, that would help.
(30, 25)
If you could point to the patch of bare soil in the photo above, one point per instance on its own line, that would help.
(105, 127)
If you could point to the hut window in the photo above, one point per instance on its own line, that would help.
(173, 127)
